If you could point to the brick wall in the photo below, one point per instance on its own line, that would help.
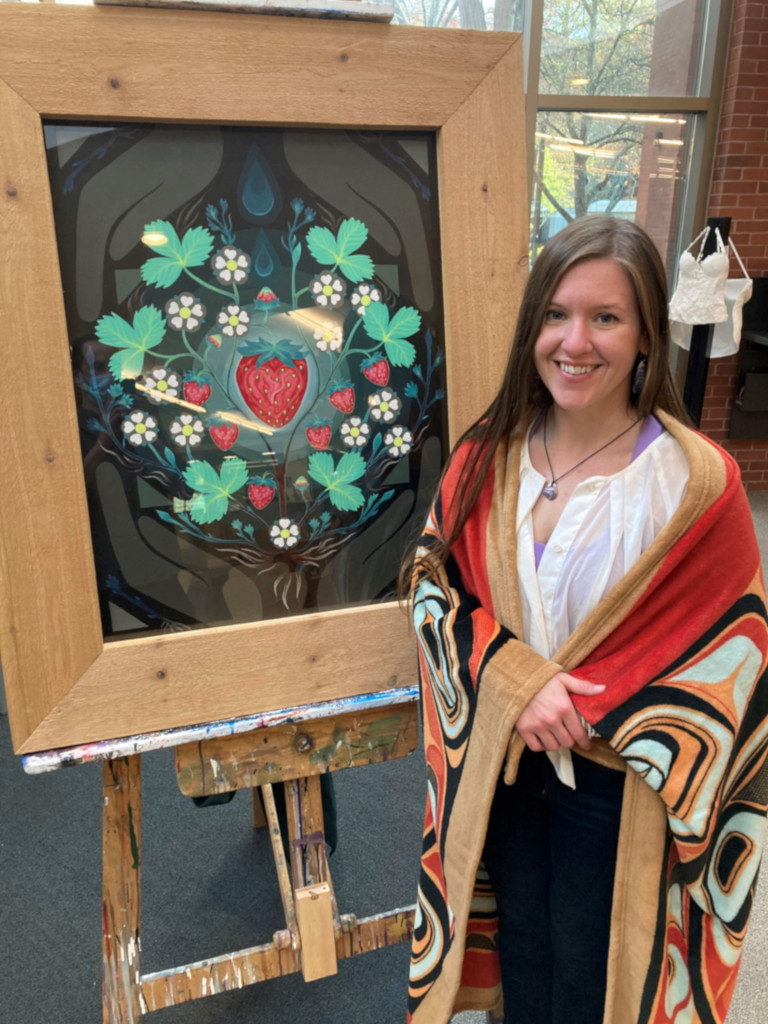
(740, 191)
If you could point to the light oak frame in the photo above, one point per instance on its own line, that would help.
(64, 685)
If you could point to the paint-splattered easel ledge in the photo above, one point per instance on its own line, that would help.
(108, 750)
(354, 10)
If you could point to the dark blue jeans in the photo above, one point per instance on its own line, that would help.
(550, 852)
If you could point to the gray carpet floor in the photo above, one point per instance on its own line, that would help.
(208, 888)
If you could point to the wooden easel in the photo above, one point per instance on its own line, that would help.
(291, 747)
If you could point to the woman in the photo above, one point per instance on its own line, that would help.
(589, 607)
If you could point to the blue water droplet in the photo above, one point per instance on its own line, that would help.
(263, 258)
(258, 190)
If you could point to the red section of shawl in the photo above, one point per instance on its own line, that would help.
(709, 569)
(469, 549)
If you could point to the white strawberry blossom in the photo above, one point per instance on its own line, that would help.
(234, 321)
(327, 290)
(284, 533)
(328, 337)
(354, 433)
(231, 265)
(363, 296)
(398, 440)
(385, 405)
(187, 430)
(162, 384)
(184, 312)
(140, 428)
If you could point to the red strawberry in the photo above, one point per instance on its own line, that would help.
(342, 395)
(319, 434)
(224, 435)
(197, 390)
(272, 381)
(261, 491)
(376, 369)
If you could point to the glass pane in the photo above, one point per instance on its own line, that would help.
(502, 15)
(255, 323)
(630, 165)
(619, 47)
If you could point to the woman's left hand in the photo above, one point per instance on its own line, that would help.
(550, 720)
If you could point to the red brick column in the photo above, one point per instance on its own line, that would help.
(740, 191)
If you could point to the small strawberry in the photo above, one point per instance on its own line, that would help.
(376, 369)
(196, 389)
(261, 491)
(224, 435)
(319, 434)
(272, 379)
(342, 395)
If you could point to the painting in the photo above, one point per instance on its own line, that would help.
(259, 373)
(265, 311)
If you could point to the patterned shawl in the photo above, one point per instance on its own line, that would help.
(681, 645)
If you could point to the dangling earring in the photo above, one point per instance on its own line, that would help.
(638, 377)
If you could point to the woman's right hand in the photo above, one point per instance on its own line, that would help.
(550, 720)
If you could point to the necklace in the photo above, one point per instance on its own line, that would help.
(550, 489)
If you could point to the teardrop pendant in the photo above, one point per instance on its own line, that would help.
(550, 491)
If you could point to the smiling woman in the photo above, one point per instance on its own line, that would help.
(565, 672)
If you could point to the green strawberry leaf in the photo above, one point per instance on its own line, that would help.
(322, 244)
(399, 352)
(405, 322)
(160, 271)
(234, 473)
(211, 500)
(196, 247)
(352, 234)
(356, 268)
(133, 340)
(335, 250)
(321, 468)
(393, 333)
(343, 494)
(201, 476)
(208, 508)
(191, 251)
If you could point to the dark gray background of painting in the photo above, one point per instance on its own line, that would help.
(105, 189)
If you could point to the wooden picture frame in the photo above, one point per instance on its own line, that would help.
(64, 685)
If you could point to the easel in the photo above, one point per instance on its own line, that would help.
(293, 747)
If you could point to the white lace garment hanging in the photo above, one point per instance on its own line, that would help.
(726, 336)
(700, 294)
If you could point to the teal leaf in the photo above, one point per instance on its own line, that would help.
(376, 321)
(169, 245)
(399, 352)
(322, 244)
(342, 493)
(335, 250)
(201, 476)
(321, 468)
(209, 508)
(161, 272)
(405, 322)
(356, 268)
(234, 473)
(352, 234)
(351, 467)
(296, 255)
(134, 340)
(175, 254)
(393, 333)
(196, 247)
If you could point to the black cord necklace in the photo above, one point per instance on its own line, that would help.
(550, 489)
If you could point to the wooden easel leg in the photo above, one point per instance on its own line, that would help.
(121, 890)
(316, 912)
(259, 820)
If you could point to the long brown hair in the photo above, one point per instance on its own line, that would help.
(522, 395)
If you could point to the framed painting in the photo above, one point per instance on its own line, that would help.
(252, 290)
